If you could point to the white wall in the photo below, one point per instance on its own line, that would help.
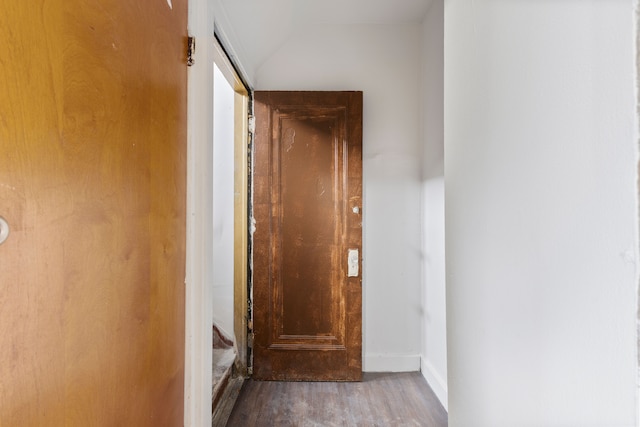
(541, 235)
(434, 322)
(223, 204)
(383, 62)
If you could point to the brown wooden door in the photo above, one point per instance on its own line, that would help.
(92, 184)
(307, 206)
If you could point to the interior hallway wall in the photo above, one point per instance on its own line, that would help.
(223, 204)
(384, 62)
(541, 212)
(434, 322)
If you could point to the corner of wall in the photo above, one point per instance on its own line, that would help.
(435, 381)
(433, 359)
(231, 42)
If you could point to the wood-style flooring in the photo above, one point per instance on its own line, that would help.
(381, 399)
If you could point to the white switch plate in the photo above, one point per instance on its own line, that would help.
(354, 264)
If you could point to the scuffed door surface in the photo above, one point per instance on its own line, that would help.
(308, 175)
(92, 183)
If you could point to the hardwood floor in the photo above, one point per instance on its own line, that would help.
(381, 399)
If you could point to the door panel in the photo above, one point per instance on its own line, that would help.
(92, 183)
(308, 180)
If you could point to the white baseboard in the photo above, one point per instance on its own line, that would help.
(391, 363)
(437, 383)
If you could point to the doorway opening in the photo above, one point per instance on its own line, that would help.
(230, 248)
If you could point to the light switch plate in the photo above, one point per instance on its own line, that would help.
(354, 264)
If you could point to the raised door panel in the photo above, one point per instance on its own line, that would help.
(308, 180)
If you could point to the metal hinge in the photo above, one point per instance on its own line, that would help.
(250, 338)
(250, 334)
(191, 50)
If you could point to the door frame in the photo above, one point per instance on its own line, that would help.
(241, 203)
(203, 20)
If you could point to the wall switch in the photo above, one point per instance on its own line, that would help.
(354, 263)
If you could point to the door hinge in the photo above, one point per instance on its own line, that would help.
(250, 338)
(250, 332)
(191, 50)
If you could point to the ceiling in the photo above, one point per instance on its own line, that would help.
(260, 27)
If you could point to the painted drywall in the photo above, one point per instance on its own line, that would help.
(383, 61)
(223, 204)
(232, 31)
(434, 317)
(541, 216)
(260, 27)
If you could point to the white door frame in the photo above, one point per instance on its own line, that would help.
(204, 16)
(198, 296)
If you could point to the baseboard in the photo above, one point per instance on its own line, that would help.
(228, 399)
(391, 363)
(435, 381)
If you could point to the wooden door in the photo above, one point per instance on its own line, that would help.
(92, 185)
(307, 206)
